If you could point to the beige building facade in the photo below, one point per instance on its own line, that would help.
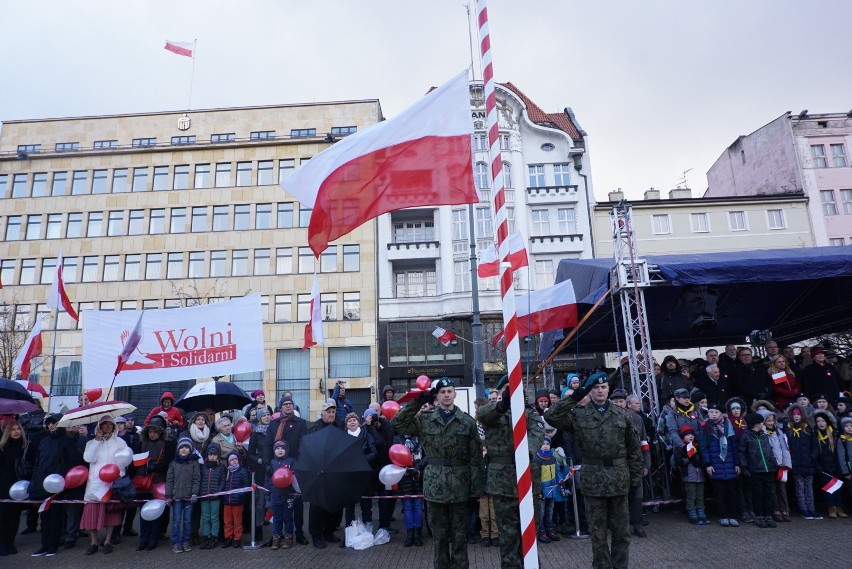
(159, 210)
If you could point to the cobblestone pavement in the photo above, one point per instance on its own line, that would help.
(671, 542)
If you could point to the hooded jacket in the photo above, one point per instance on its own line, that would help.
(175, 419)
(802, 443)
(234, 480)
(184, 477)
(756, 453)
(98, 454)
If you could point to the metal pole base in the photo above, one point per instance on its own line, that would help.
(578, 535)
(252, 546)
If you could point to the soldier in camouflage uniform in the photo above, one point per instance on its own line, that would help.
(453, 473)
(612, 464)
(496, 419)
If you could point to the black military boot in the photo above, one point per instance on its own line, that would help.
(409, 538)
(418, 537)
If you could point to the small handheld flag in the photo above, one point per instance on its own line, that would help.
(832, 486)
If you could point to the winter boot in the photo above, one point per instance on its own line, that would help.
(693, 517)
(542, 537)
(702, 517)
(409, 538)
(832, 512)
(276, 542)
(770, 522)
(288, 542)
(760, 522)
(418, 537)
(840, 512)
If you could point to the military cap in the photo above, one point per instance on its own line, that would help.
(618, 394)
(442, 382)
(598, 378)
(502, 382)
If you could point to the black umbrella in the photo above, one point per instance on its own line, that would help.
(14, 398)
(216, 395)
(331, 469)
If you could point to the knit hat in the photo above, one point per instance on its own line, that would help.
(214, 448)
(717, 406)
(547, 439)
(818, 350)
(542, 394)
(233, 453)
(618, 394)
(686, 430)
(120, 419)
(753, 419)
(763, 413)
(353, 416)
(697, 396)
(796, 411)
(261, 411)
(257, 392)
(281, 444)
(845, 421)
(184, 442)
(820, 397)
(369, 412)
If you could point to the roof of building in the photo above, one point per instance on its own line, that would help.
(537, 115)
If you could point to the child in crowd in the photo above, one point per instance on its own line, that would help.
(781, 452)
(281, 499)
(553, 469)
(688, 460)
(212, 482)
(183, 481)
(827, 467)
(412, 484)
(758, 464)
(844, 453)
(803, 455)
(718, 448)
(236, 477)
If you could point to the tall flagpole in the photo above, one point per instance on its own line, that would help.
(192, 75)
(53, 353)
(529, 545)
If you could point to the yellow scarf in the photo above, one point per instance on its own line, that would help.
(687, 411)
(828, 438)
(846, 438)
(797, 432)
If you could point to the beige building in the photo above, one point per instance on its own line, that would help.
(159, 210)
(683, 224)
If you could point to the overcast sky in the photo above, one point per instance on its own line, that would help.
(660, 86)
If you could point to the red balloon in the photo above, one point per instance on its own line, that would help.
(94, 394)
(400, 455)
(76, 477)
(109, 473)
(276, 416)
(423, 383)
(242, 431)
(389, 409)
(283, 477)
(159, 491)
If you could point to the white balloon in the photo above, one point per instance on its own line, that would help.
(391, 474)
(152, 510)
(20, 490)
(54, 484)
(123, 457)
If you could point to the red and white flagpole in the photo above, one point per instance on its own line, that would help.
(529, 545)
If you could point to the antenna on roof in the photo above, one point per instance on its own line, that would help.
(683, 183)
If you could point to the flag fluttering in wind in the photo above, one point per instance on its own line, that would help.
(30, 350)
(130, 344)
(58, 298)
(313, 329)
(832, 485)
(422, 157)
(180, 47)
(444, 336)
(489, 262)
(141, 459)
(551, 308)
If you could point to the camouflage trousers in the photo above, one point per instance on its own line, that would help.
(509, 524)
(609, 515)
(448, 523)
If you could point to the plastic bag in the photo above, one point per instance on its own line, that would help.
(357, 537)
(382, 537)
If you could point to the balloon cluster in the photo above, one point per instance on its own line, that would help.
(401, 460)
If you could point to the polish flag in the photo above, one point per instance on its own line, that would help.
(781, 475)
(130, 344)
(833, 485)
(690, 450)
(179, 47)
(45, 506)
(489, 261)
(551, 308)
(645, 446)
(444, 336)
(58, 298)
(497, 339)
(779, 377)
(313, 329)
(141, 459)
(422, 157)
(31, 349)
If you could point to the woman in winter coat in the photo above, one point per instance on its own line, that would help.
(803, 456)
(161, 451)
(827, 466)
(781, 452)
(225, 438)
(368, 447)
(785, 386)
(198, 432)
(100, 452)
(718, 447)
(12, 445)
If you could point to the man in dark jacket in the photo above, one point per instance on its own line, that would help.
(388, 393)
(749, 380)
(321, 523)
(76, 445)
(383, 434)
(52, 457)
(820, 377)
(289, 428)
(342, 404)
(671, 379)
(715, 384)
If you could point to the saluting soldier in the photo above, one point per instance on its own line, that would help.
(453, 473)
(501, 482)
(612, 465)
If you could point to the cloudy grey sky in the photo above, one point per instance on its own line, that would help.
(661, 86)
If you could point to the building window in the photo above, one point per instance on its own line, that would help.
(484, 223)
(33, 227)
(60, 184)
(264, 309)
(351, 305)
(132, 263)
(136, 224)
(738, 221)
(482, 176)
(152, 304)
(536, 175)
(306, 260)
(413, 231)
(846, 196)
(48, 268)
(567, 220)
(507, 176)
(241, 217)
(543, 274)
(328, 306)
(540, 219)
(223, 137)
(7, 270)
(99, 182)
(838, 155)
(140, 179)
(202, 176)
(239, 263)
(818, 153)
(90, 269)
(285, 215)
(157, 223)
(775, 219)
(196, 264)
(304, 215)
(39, 185)
(161, 178)
(263, 216)
(181, 178)
(829, 206)
(284, 261)
(462, 276)
(19, 186)
(661, 224)
(69, 269)
(285, 168)
(349, 362)
(174, 266)
(220, 218)
(480, 141)
(836, 242)
(22, 316)
(28, 271)
(328, 260)
(283, 308)
(460, 232)
(199, 220)
(178, 220)
(119, 181)
(79, 183)
(13, 228)
(243, 174)
(303, 307)
(264, 173)
(29, 148)
(414, 283)
(261, 262)
(139, 142)
(218, 266)
(182, 140)
(111, 268)
(700, 222)
(223, 174)
(53, 230)
(303, 132)
(343, 130)
(293, 374)
(262, 135)
(95, 227)
(510, 218)
(101, 144)
(66, 146)
(412, 343)
(115, 224)
(153, 266)
(351, 258)
(504, 141)
(74, 228)
(562, 174)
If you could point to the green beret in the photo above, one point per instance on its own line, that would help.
(598, 378)
(442, 382)
(502, 383)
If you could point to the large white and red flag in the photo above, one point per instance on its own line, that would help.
(58, 298)
(551, 308)
(444, 336)
(422, 157)
(313, 329)
(31, 349)
(130, 344)
(489, 261)
(179, 47)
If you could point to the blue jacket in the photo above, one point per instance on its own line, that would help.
(710, 447)
(344, 406)
(279, 496)
(212, 478)
(803, 451)
(234, 480)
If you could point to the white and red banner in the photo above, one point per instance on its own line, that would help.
(177, 343)
(781, 475)
(58, 298)
(313, 329)
(421, 157)
(31, 349)
(179, 47)
(489, 261)
(551, 308)
(444, 336)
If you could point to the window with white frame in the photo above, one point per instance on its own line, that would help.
(836, 242)
(567, 218)
(540, 219)
(480, 141)
(462, 276)
(700, 222)
(328, 260)
(838, 155)
(829, 206)
(507, 176)
(284, 261)
(131, 267)
(846, 196)
(239, 263)
(414, 283)
(306, 260)
(460, 225)
(413, 231)
(562, 174)
(543, 274)
(737, 221)
(536, 175)
(111, 268)
(661, 224)
(153, 266)
(818, 153)
(261, 262)
(351, 305)
(775, 219)
(510, 218)
(504, 141)
(481, 176)
(484, 223)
